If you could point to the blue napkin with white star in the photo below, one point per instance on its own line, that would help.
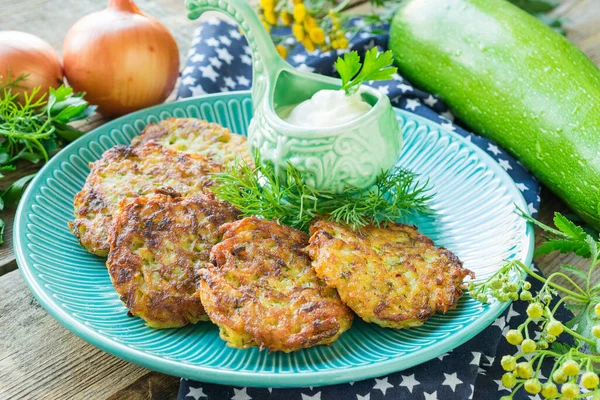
(220, 61)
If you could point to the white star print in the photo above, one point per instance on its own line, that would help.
(242, 80)
(215, 62)
(209, 72)
(364, 35)
(223, 89)
(409, 382)
(188, 80)
(521, 187)
(411, 104)
(382, 384)
(240, 394)
(369, 45)
(196, 40)
(448, 126)
(532, 209)
(304, 68)
(234, 33)
(299, 58)
(212, 42)
(430, 101)
(246, 59)
(365, 397)
(195, 393)
(500, 323)
(448, 115)
(441, 358)
(504, 164)
(229, 82)
(316, 396)
(197, 91)
(197, 58)
(247, 50)
(214, 21)
(224, 55)
(476, 357)
(501, 386)
(225, 40)
(384, 89)
(187, 70)
(452, 380)
(490, 361)
(494, 149)
(405, 88)
(430, 396)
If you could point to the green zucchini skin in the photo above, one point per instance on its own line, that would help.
(514, 80)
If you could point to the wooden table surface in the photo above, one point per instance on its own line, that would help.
(39, 359)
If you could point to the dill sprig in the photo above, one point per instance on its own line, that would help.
(259, 190)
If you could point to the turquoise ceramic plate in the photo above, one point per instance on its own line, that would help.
(474, 218)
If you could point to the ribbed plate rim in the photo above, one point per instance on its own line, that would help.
(247, 378)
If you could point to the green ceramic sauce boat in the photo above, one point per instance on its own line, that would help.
(329, 158)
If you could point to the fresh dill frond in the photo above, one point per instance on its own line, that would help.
(259, 190)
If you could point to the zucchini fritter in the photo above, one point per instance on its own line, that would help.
(393, 276)
(196, 136)
(261, 291)
(156, 246)
(128, 172)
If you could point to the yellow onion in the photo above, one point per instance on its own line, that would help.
(23, 53)
(123, 59)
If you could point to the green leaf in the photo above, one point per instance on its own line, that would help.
(2, 225)
(574, 271)
(564, 246)
(348, 66)
(12, 195)
(67, 132)
(64, 106)
(568, 228)
(560, 348)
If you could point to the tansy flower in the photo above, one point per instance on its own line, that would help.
(282, 50)
(286, 18)
(317, 35)
(298, 31)
(343, 43)
(267, 4)
(299, 12)
(270, 17)
(308, 44)
(309, 23)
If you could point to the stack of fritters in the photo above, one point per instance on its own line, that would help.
(177, 255)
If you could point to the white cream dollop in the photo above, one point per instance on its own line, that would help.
(328, 108)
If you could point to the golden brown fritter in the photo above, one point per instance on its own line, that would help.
(261, 291)
(392, 276)
(196, 136)
(157, 244)
(128, 172)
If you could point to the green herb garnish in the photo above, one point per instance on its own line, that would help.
(31, 129)
(375, 67)
(259, 190)
(575, 360)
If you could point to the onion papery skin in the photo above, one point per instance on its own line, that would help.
(122, 59)
(24, 53)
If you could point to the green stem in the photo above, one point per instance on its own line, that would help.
(593, 265)
(554, 285)
(578, 336)
(566, 277)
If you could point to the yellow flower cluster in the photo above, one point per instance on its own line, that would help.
(307, 28)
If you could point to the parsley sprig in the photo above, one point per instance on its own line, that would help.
(573, 364)
(258, 190)
(375, 67)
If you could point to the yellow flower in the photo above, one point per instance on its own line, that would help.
(340, 34)
(270, 17)
(317, 35)
(308, 44)
(298, 31)
(335, 44)
(297, 1)
(282, 50)
(343, 42)
(267, 4)
(299, 12)
(286, 18)
(309, 23)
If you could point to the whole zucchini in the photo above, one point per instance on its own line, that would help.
(514, 80)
